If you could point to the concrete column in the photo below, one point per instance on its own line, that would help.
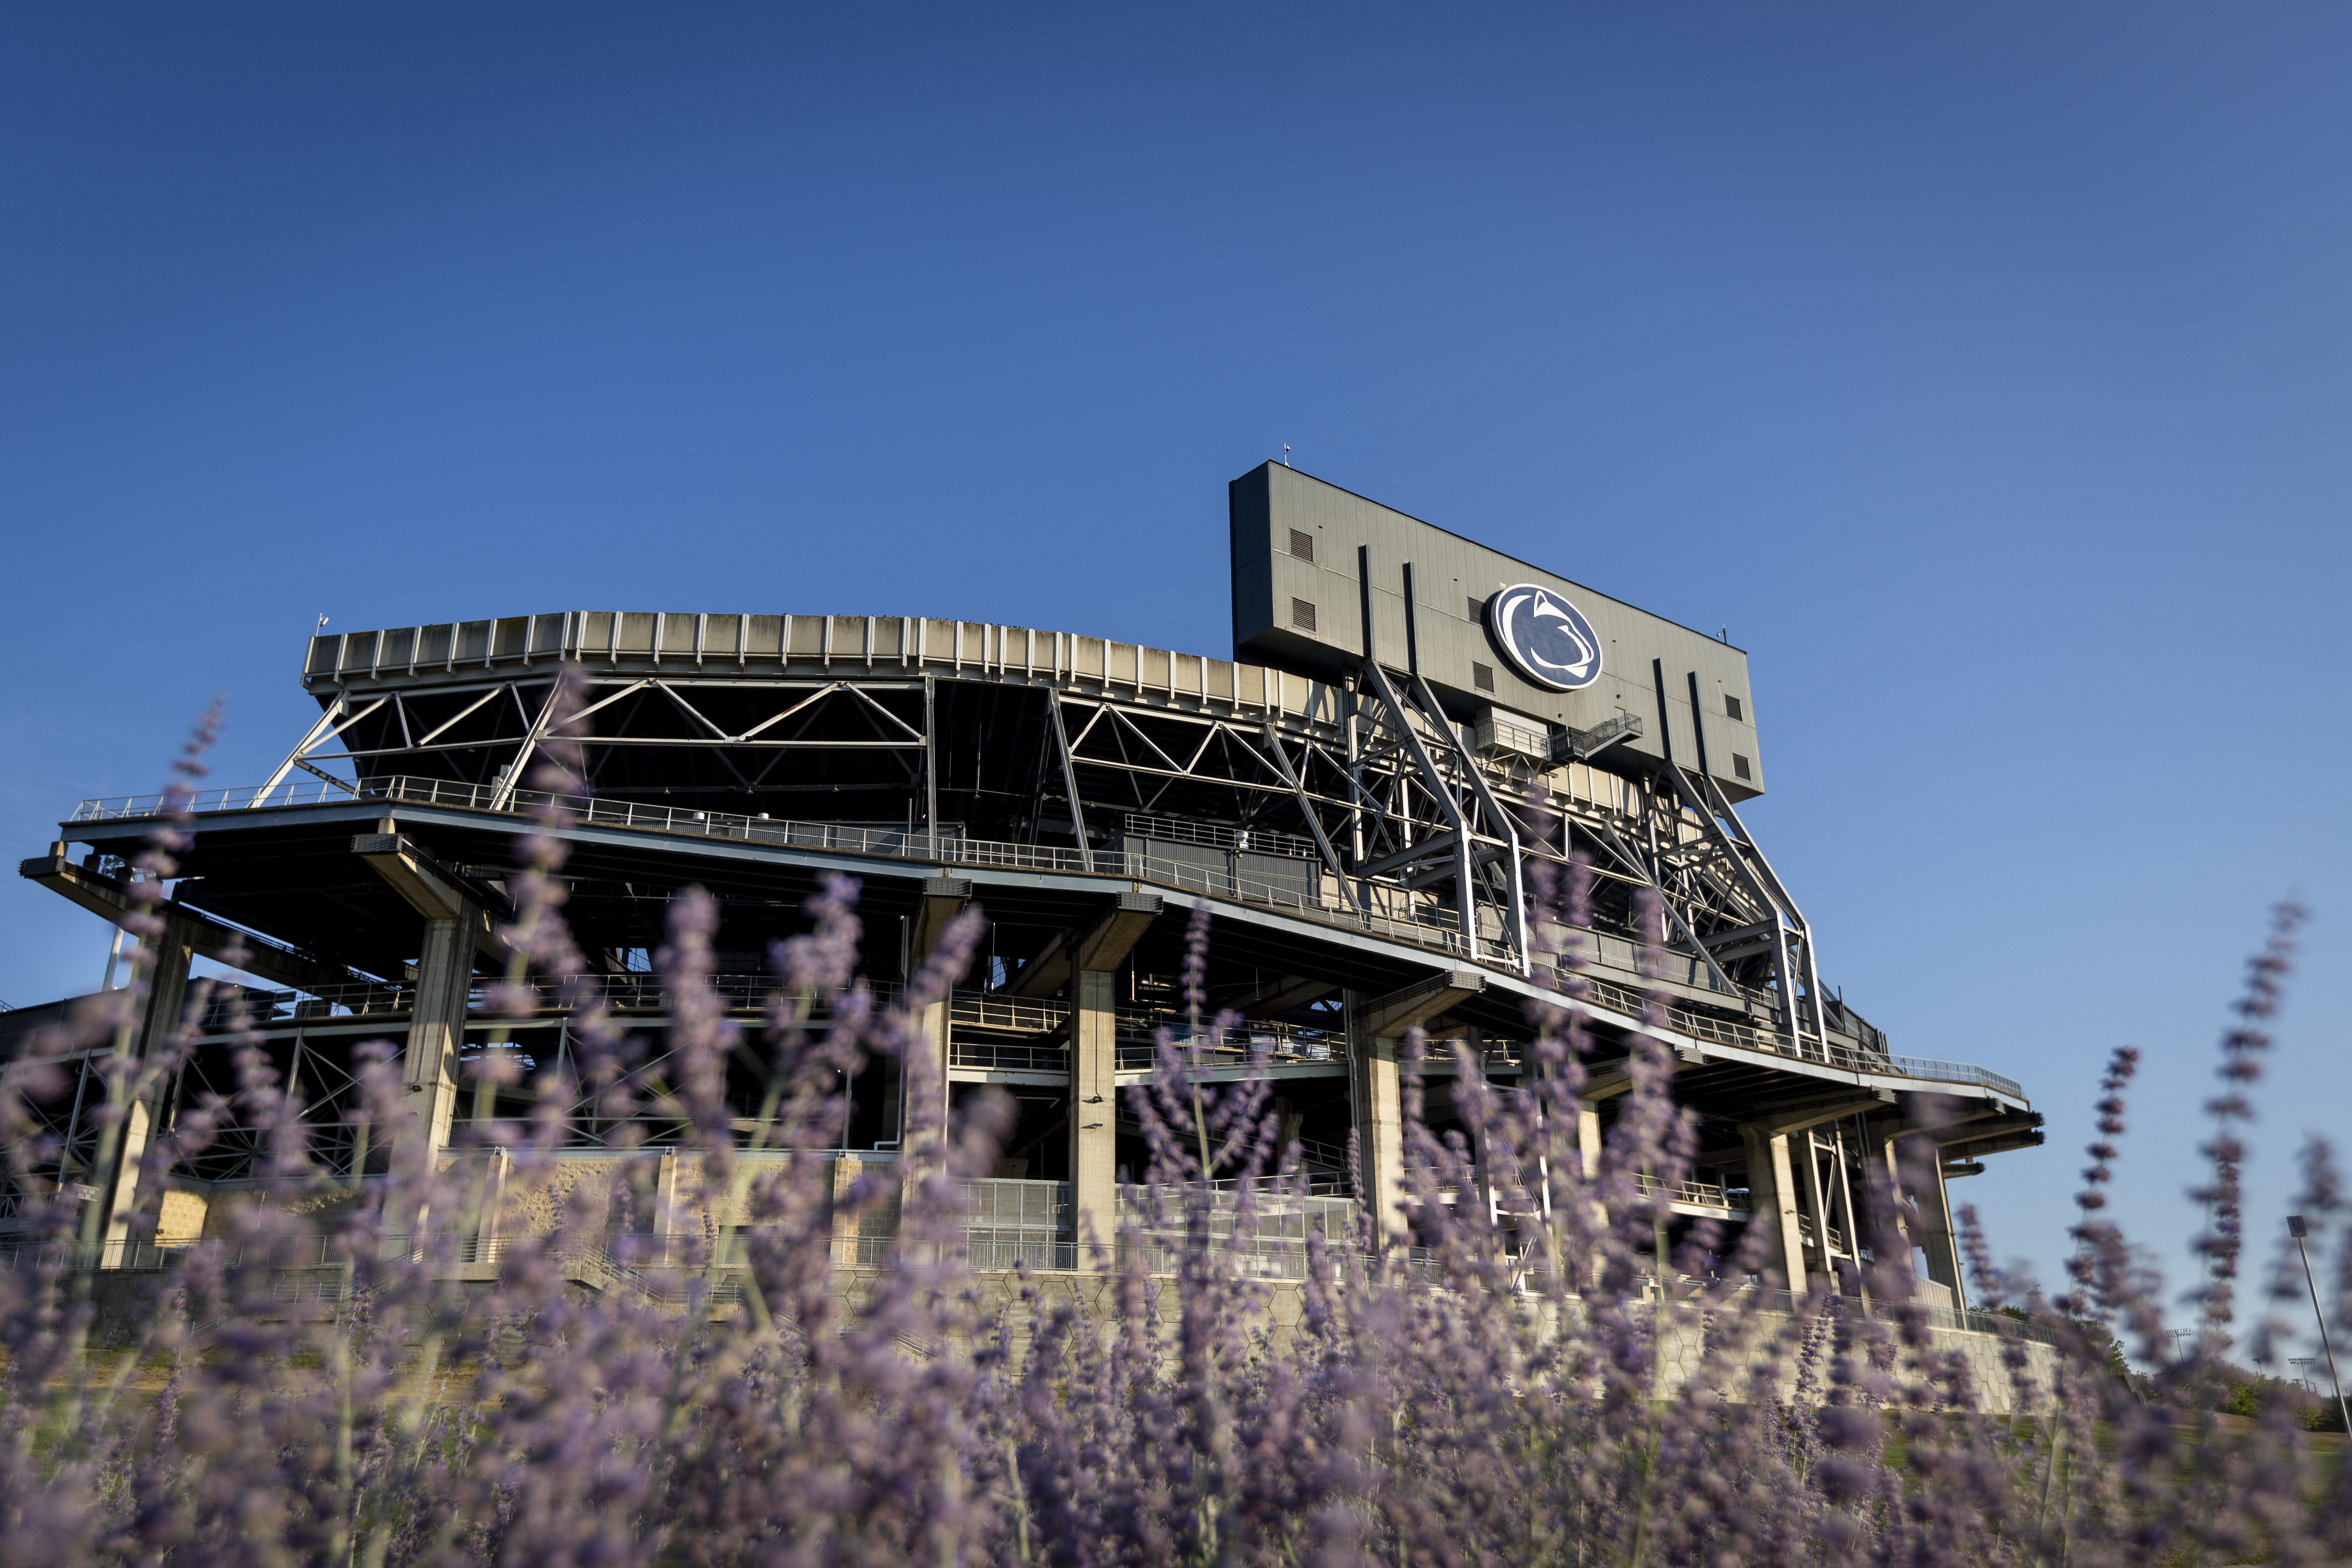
(1094, 960)
(1588, 1135)
(943, 898)
(923, 1153)
(1936, 1237)
(1773, 1197)
(1380, 1120)
(1375, 1027)
(445, 971)
(167, 997)
(494, 1193)
(847, 1229)
(665, 1193)
(1886, 1148)
(937, 1033)
(1093, 1106)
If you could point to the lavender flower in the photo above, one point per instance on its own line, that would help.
(726, 1343)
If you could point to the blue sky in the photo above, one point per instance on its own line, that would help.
(1984, 371)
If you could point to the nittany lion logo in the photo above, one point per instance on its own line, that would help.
(1546, 638)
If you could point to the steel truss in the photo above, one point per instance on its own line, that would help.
(62, 1121)
(1408, 818)
(321, 1096)
(1404, 813)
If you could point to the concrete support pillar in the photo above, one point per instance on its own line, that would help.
(1093, 960)
(1093, 1106)
(665, 1193)
(454, 927)
(1588, 1135)
(847, 1249)
(143, 1113)
(1377, 1091)
(845, 1176)
(1773, 1179)
(436, 1028)
(1936, 1235)
(1376, 1028)
(1772, 1199)
(1902, 1228)
(922, 1128)
(938, 1034)
(494, 1192)
(943, 898)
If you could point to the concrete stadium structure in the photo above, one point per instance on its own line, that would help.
(1350, 796)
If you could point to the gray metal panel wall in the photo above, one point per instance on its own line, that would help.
(1300, 879)
(1449, 572)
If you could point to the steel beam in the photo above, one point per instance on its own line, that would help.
(1465, 893)
(310, 738)
(1503, 824)
(1070, 782)
(110, 900)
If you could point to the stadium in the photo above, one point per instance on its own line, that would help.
(1415, 736)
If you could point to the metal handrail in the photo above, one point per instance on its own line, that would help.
(990, 1056)
(1955, 1072)
(943, 848)
(993, 1010)
(1212, 835)
(892, 843)
(1723, 1032)
(1282, 1042)
(1705, 1194)
(631, 991)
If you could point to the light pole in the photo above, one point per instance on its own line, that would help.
(2294, 1227)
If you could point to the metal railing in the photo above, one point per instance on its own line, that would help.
(629, 992)
(311, 1285)
(987, 1010)
(1705, 1195)
(1723, 1032)
(991, 1010)
(302, 792)
(1041, 1254)
(989, 1056)
(948, 850)
(1003, 1203)
(1212, 835)
(1414, 923)
(1815, 1232)
(84, 1258)
(1954, 1072)
(1321, 1156)
(1279, 1222)
(1282, 1042)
